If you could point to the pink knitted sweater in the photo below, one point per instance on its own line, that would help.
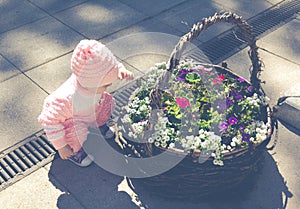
(70, 110)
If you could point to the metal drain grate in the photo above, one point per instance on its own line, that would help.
(24, 158)
(227, 44)
(36, 151)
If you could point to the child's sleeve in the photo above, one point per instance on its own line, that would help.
(55, 112)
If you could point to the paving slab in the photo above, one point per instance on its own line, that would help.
(96, 19)
(7, 70)
(37, 191)
(36, 43)
(52, 74)
(56, 5)
(185, 15)
(245, 8)
(14, 13)
(94, 187)
(284, 41)
(20, 104)
(144, 44)
(274, 1)
(147, 7)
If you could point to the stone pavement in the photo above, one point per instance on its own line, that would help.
(37, 39)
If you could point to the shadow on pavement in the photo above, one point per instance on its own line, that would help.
(93, 187)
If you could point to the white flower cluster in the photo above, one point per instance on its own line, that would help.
(162, 135)
(137, 129)
(256, 100)
(207, 142)
(137, 106)
(235, 141)
(258, 129)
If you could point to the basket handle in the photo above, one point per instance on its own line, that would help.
(226, 17)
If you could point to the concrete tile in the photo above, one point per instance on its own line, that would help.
(144, 62)
(37, 191)
(286, 154)
(37, 43)
(96, 19)
(151, 7)
(274, 1)
(244, 8)
(145, 44)
(135, 33)
(280, 75)
(7, 69)
(57, 5)
(20, 104)
(284, 41)
(52, 74)
(92, 186)
(183, 17)
(15, 13)
(137, 49)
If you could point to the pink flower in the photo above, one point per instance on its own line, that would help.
(183, 102)
(219, 79)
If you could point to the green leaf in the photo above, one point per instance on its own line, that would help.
(193, 77)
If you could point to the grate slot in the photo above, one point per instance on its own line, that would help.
(17, 161)
(49, 145)
(23, 158)
(34, 152)
(4, 175)
(2, 180)
(12, 164)
(7, 168)
(40, 149)
(41, 142)
(7, 175)
(28, 156)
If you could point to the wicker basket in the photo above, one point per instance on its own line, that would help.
(189, 179)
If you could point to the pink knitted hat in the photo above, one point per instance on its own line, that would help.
(91, 61)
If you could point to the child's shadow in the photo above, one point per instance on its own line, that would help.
(93, 187)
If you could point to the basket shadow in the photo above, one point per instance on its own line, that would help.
(264, 188)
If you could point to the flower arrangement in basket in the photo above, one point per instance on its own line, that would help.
(204, 111)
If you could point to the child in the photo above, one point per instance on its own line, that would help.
(81, 101)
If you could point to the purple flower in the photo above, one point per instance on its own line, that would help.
(246, 137)
(232, 120)
(229, 102)
(241, 80)
(223, 126)
(182, 75)
(250, 89)
(236, 95)
(241, 128)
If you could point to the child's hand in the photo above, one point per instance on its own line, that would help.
(123, 73)
(65, 152)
